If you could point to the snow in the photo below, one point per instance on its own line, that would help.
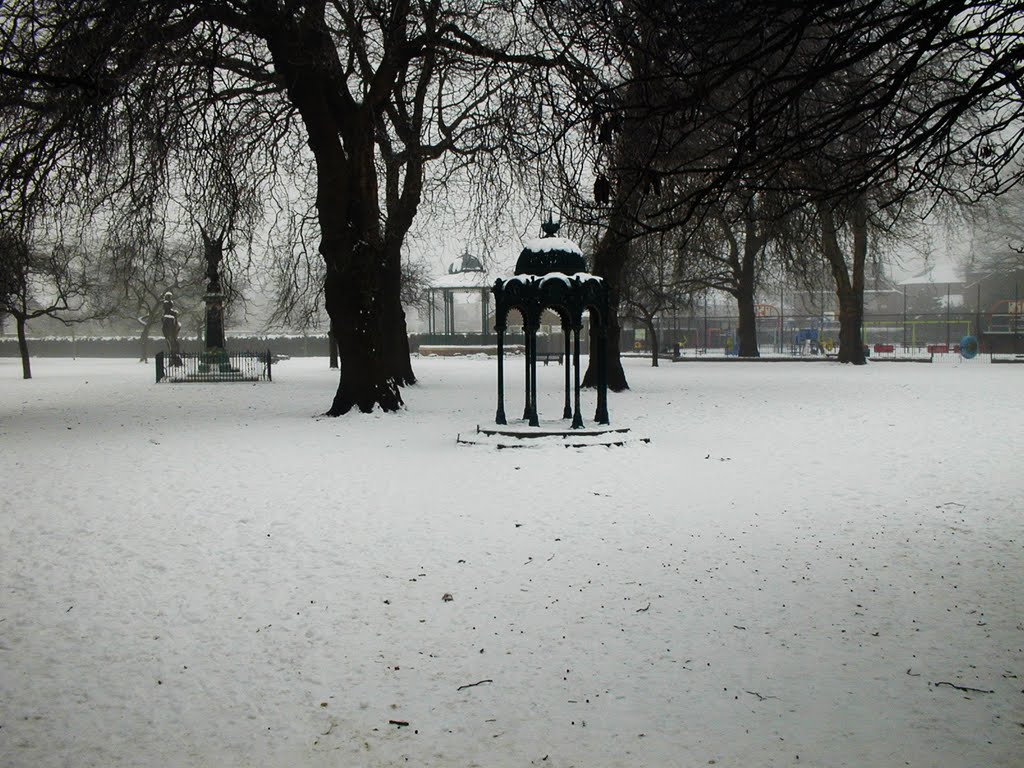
(553, 243)
(212, 575)
(463, 280)
(937, 274)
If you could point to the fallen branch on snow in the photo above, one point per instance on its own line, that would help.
(472, 685)
(963, 687)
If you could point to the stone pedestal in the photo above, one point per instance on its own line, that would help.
(214, 320)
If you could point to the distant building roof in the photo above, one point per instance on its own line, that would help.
(465, 263)
(458, 280)
(937, 274)
(466, 272)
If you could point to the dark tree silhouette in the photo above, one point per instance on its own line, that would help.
(651, 285)
(36, 281)
(894, 100)
(375, 90)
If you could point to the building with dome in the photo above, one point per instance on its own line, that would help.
(464, 284)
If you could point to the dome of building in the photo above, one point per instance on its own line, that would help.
(544, 255)
(465, 263)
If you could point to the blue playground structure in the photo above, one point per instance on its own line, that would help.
(807, 339)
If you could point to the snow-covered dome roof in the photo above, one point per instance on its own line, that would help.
(543, 255)
(465, 263)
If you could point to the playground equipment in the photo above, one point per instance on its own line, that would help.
(1005, 316)
(1004, 332)
(807, 341)
(915, 333)
(968, 347)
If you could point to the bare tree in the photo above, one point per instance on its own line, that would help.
(38, 281)
(728, 245)
(224, 173)
(894, 100)
(997, 228)
(135, 275)
(376, 91)
(651, 285)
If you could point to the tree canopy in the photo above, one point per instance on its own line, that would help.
(657, 115)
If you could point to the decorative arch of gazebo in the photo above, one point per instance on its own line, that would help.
(552, 274)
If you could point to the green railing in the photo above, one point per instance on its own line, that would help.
(213, 366)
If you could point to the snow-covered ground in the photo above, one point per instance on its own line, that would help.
(809, 564)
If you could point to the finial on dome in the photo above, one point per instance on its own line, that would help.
(550, 227)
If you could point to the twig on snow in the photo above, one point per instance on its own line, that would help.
(761, 697)
(472, 685)
(641, 610)
(963, 687)
(399, 723)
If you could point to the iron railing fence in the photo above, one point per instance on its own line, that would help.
(790, 334)
(213, 366)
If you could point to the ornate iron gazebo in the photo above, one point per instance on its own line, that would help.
(466, 275)
(551, 273)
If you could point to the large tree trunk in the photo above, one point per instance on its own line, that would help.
(363, 286)
(747, 330)
(631, 165)
(652, 334)
(397, 356)
(609, 260)
(367, 323)
(333, 349)
(746, 279)
(363, 275)
(849, 279)
(26, 363)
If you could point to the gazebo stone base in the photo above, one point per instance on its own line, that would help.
(521, 435)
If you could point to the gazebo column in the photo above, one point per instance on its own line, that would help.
(601, 416)
(567, 337)
(577, 417)
(534, 420)
(499, 416)
(485, 306)
(527, 340)
(530, 408)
